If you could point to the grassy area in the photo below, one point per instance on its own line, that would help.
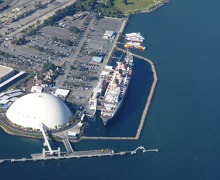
(19, 133)
(26, 134)
(136, 5)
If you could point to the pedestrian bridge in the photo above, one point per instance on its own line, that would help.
(67, 145)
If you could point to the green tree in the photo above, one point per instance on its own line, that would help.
(67, 42)
(54, 38)
(47, 66)
(125, 2)
(58, 54)
(19, 41)
(50, 21)
(56, 72)
(74, 29)
(33, 32)
(41, 76)
(38, 21)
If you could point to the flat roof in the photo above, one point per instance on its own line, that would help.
(5, 97)
(4, 70)
(97, 59)
(12, 78)
(4, 101)
(13, 99)
(36, 89)
(62, 92)
(15, 94)
(12, 91)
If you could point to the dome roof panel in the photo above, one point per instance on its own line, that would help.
(35, 108)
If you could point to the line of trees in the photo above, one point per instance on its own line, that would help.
(64, 41)
(107, 9)
(47, 66)
(79, 5)
(19, 41)
(125, 2)
(74, 29)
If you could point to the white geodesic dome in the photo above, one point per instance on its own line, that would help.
(35, 108)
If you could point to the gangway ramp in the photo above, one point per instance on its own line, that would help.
(67, 145)
(42, 127)
(44, 130)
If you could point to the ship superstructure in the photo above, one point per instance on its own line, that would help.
(117, 88)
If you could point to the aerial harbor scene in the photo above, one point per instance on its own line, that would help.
(109, 89)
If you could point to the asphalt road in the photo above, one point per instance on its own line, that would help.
(73, 55)
(41, 17)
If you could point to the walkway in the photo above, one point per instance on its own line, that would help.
(78, 154)
(67, 145)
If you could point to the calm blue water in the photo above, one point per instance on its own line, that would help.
(183, 40)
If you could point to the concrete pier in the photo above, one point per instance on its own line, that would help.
(77, 154)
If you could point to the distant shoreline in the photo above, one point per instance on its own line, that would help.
(149, 10)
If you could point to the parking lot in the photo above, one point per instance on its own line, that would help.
(52, 43)
(73, 51)
(84, 73)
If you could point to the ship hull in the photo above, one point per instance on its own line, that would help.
(107, 121)
(134, 40)
(117, 89)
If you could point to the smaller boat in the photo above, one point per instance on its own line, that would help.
(128, 46)
(131, 44)
(140, 47)
(134, 39)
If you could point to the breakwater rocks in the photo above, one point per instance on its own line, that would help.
(107, 138)
(147, 106)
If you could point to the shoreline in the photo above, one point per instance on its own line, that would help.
(148, 102)
(151, 9)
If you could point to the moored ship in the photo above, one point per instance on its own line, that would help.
(136, 45)
(117, 88)
(134, 37)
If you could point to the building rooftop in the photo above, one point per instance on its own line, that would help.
(32, 109)
(4, 70)
(12, 78)
(97, 59)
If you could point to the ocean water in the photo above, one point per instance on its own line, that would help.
(183, 40)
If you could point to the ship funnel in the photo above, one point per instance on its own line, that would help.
(119, 75)
(116, 83)
(123, 66)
